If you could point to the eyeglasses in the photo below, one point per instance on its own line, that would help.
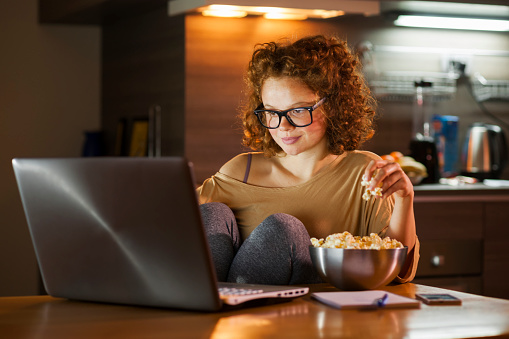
(298, 117)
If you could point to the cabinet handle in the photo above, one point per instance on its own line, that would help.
(437, 260)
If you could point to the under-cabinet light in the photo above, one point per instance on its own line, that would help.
(425, 21)
(285, 16)
(316, 9)
(224, 13)
(268, 12)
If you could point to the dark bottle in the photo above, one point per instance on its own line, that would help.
(422, 146)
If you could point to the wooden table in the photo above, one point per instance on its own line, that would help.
(47, 317)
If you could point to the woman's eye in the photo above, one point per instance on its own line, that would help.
(298, 111)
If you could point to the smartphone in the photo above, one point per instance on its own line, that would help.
(437, 299)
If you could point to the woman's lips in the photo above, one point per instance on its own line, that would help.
(290, 140)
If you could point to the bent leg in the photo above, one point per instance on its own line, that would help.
(275, 253)
(222, 234)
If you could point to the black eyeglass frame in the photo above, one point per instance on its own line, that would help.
(258, 112)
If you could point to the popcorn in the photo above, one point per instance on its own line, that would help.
(348, 241)
(368, 193)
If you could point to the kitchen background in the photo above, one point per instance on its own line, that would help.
(106, 65)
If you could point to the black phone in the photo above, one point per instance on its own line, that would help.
(438, 299)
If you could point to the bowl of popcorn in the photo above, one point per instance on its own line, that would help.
(357, 263)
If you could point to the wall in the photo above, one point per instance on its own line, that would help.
(142, 66)
(218, 50)
(49, 95)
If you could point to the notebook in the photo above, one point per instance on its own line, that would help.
(371, 299)
(124, 230)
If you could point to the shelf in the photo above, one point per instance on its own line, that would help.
(400, 86)
(490, 89)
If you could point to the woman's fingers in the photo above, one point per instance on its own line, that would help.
(388, 175)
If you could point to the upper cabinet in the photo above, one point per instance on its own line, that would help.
(92, 12)
(96, 12)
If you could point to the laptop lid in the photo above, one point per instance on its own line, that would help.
(118, 230)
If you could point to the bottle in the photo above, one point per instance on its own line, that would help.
(422, 146)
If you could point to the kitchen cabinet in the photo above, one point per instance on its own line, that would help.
(462, 233)
(93, 12)
(496, 251)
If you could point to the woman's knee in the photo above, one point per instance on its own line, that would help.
(214, 209)
(279, 229)
(218, 220)
(214, 212)
(283, 223)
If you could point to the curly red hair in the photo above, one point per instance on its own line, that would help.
(331, 70)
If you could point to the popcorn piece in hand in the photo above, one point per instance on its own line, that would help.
(368, 193)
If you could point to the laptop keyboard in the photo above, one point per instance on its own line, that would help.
(230, 291)
(235, 293)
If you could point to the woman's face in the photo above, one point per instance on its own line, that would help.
(283, 93)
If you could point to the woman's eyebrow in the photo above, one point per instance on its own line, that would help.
(295, 105)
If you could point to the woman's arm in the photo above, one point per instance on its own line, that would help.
(395, 181)
(402, 224)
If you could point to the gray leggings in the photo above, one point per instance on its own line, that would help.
(275, 253)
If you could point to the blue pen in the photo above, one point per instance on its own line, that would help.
(380, 302)
(376, 304)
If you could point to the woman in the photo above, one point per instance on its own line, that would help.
(308, 112)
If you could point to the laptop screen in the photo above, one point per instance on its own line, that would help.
(121, 230)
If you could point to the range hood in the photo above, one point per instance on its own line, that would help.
(309, 8)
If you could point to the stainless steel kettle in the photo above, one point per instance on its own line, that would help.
(484, 153)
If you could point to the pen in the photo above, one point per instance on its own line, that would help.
(376, 304)
(380, 302)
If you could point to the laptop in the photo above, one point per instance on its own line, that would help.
(125, 231)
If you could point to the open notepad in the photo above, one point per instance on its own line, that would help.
(365, 300)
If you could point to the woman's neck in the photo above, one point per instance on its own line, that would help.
(291, 170)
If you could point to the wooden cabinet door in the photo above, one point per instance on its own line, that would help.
(451, 237)
(496, 250)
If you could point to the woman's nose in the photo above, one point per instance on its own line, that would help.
(285, 124)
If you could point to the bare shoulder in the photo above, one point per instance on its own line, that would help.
(364, 156)
(236, 167)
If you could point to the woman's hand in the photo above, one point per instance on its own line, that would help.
(395, 181)
(391, 177)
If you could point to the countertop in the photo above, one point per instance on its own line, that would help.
(46, 317)
(478, 191)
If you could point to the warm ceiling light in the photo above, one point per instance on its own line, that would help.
(452, 23)
(320, 9)
(279, 13)
(224, 11)
(325, 14)
(285, 16)
(268, 12)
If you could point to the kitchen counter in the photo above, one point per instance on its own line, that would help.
(48, 317)
(466, 192)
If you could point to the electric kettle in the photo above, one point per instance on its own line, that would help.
(484, 153)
